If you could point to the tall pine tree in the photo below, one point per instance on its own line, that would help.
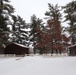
(35, 24)
(5, 13)
(19, 33)
(54, 29)
(70, 16)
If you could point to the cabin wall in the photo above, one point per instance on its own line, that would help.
(1, 50)
(72, 51)
(15, 49)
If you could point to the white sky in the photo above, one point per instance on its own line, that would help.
(26, 8)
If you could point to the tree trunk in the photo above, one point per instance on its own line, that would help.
(56, 51)
(60, 51)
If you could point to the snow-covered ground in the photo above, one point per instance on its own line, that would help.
(38, 65)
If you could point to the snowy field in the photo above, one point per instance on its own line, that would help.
(38, 65)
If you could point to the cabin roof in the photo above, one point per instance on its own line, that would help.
(20, 45)
(72, 46)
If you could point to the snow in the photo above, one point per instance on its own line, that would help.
(74, 14)
(38, 65)
(21, 45)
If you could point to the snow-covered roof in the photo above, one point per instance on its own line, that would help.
(21, 45)
(72, 46)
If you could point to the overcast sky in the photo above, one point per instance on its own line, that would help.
(26, 8)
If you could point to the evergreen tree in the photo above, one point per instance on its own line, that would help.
(54, 11)
(70, 11)
(20, 35)
(5, 12)
(54, 29)
(35, 24)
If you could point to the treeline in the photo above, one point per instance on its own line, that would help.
(42, 36)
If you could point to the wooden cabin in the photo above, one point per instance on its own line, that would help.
(72, 50)
(1, 50)
(17, 49)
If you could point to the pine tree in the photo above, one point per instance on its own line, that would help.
(54, 11)
(5, 13)
(52, 37)
(35, 24)
(19, 33)
(70, 11)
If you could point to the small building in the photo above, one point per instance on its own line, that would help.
(72, 50)
(1, 50)
(17, 49)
